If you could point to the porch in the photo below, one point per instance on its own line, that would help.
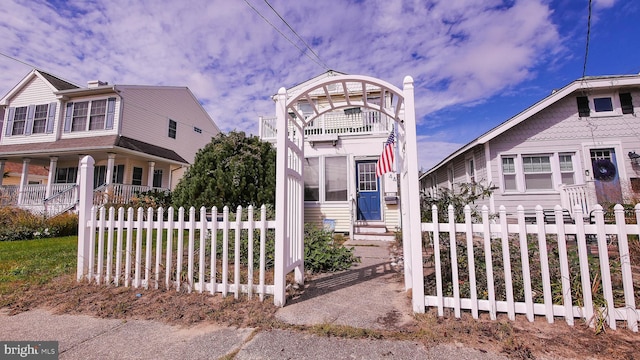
(65, 196)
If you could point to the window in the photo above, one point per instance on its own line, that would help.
(66, 175)
(335, 175)
(603, 104)
(137, 176)
(19, 120)
(312, 179)
(537, 172)
(583, 106)
(79, 118)
(40, 119)
(157, 178)
(118, 174)
(98, 114)
(197, 129)
(99, 176)
(450, 177)
(471, 171)
(566, 169)
(173, 127)
(509, 173)
(626, 103)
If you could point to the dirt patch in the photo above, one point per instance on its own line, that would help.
(517, 339)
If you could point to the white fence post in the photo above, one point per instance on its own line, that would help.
(84, 209)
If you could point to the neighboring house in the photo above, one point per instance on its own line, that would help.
(578, 146)
(341, 151)
(13, 174)
(141, 137)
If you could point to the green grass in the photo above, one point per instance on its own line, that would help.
(35, 262)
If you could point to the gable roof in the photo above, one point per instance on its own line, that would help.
(54, 83)
(588, 83)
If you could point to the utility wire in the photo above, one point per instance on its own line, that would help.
(285, 36)
(299, 37)
(586, 51)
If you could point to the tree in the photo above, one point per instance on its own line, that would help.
(231, 170)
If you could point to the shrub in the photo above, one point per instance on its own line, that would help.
(466, 194)
(19, 224)
(322, 254)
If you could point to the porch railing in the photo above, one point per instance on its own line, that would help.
(575, 195)
(32, 194)
(120, 193)
(65, 198)
(335, 123)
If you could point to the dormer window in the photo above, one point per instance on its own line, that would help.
(90, 115)
(32, 119)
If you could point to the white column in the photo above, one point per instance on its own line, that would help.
(152, 167)
(53, 165)
(282, 211)
(111, 161)
(24, 179)
(80, 157)
(85, 173)
(413, 196)
(2, 161)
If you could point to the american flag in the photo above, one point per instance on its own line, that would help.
(385, 162)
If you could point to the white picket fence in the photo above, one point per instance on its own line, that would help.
(614, 281)
(156, 249)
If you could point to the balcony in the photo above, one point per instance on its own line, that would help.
(334, 124)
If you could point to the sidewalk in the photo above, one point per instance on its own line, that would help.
(366, 296)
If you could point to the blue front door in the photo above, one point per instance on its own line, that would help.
(368, 191)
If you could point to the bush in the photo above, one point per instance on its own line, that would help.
(467, 194)
(322, 254)
(19, 224)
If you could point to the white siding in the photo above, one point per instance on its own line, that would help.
(316, 214)
(35, 92)
(146, 115)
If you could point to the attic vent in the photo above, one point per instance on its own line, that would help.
(96, 83)
(583, 106)
(626, 103)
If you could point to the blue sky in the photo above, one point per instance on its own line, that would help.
(475, 63)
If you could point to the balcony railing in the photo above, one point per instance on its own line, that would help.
(335, 123)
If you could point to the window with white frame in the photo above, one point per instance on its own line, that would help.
(566, 169)
(157, 178)
(40, 119)
(19, 120)
(335, 178)
(471, 171)
(312, 179)
(79, 117)
(509, 173)
(537, 172)
(136, 178)
(450, 177)
(98, 114)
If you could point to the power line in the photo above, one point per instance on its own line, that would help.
(586, 51)
(299, 37)
(285, 36)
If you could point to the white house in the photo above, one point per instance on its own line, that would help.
(578, 146)
(341, 150)
(141, 137)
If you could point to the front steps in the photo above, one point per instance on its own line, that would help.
(372, 231)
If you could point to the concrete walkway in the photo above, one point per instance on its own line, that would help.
(366, 296)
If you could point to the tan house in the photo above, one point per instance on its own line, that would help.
(141, 137)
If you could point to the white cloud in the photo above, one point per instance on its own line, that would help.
(233, 61)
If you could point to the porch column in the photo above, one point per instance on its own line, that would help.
(53, 166)
(24, 179)
(2, 161)
(78, 172)
(111, 161)
(152, 167)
